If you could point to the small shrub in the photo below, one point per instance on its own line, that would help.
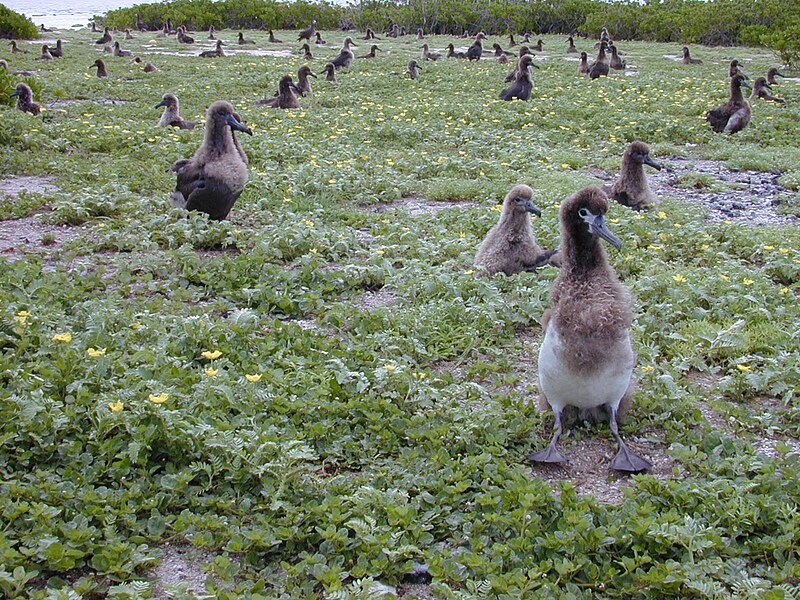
(16, 26)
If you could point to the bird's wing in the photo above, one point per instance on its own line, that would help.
(212, 196)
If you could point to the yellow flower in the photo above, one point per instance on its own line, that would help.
(95, 352)
(783, 250)
(724, 278)
(116, 406)
(211, 354)
(211, 372)
(136, 325)
(769, 247)
(661, 214)
(379, 252)
(160, 399)
(747, 281)
(253, 378)
(784, 291)
(468, 272)
(744, 368)
(419, 375)
(22, 317)
(63, 337)
(647, 368)
(390, 367)
(679, 278)
(497, 208)
(313, 250)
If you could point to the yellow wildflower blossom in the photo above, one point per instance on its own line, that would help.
(95, 352)
(390, 367)
(211, 354)
(253, 378)
(744, 368)
(116, 406)
(158, 399)
(63, 337)
(679, 278)
(212, 372)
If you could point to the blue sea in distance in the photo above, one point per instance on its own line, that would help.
(63, 14)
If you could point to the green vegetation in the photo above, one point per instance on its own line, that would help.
(319, 393)
(16, 26)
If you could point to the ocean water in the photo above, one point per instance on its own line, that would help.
(63, 14)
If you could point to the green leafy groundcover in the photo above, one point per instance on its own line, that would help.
(15, 25)
(319, 394)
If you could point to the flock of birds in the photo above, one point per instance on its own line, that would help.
(586, 360)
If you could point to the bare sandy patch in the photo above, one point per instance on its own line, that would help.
(416, 205)
(180, 565)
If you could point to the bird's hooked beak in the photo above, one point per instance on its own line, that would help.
(649, 161)
(743, 83)
(296, 89)
(597, 226)
(530, 206)
(15, 93)
(160, 104)
(768, 86)
(237, 125)
(312, 75)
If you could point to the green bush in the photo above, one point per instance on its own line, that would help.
(16, 26)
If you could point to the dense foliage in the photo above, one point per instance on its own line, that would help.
(320, 393)
(16, 26)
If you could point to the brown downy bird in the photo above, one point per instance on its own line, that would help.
(498, 51)
(583, 68)
(307, 52)
(372, 52)
(345, 57)
(25, 102)
(58, 51)
(105, 39)
(303, 81)
(525, 63)
(212, 33)
(273, 39)
(616, 62)
(771, 74)
(475, 51)
(688, 60)
(285, 97)
(182, 36)
(215, 176)
(245, 42)
(511, 41)
(538, 46)
(148, 68)
(735, 69)
(101, 67)
(308, 32)
(631, 187)
(451, 52)
(510, 246)
(45, 55)
(370, 35)
(16, 49)
(119, 52)
(171, 116)
(420, 34)
(523, 83)
(733, 115)
(761, 89)
(330, 72)
(413, 69)
(600, 66)
(319, 41)
(217, 51)
(586, 359)
(128, 35)
(428, 55)
(571, 49)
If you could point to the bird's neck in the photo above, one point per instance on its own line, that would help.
(584, 256)
(736, 91)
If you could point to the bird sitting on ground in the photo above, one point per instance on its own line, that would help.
(428, 55)
(285, 97)
(599, 68)
(771, 74)
(217, 51)
(586, 359)
(303, 81)
(105, 38)
(171, 117)
(688, 60)
(373, 50)
(571, 49)
(118, 51)
(243, 41)
(273, 39)
(330, 72)
(761, 89)
(24, 96)
(733, 115)
(522, 86)
(100, 65)
(451, 52)
(345, 57)
(631, 187)
(510, 246)
(215, 176)
(413, 69)
(58, 51)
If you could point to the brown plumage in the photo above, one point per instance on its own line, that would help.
(148, 68)
(243, 41)
(451, 52)
(631, 188)
(273, 39)
(105, 38)
(182, 36)
(616, 62)
(583, 68)
(510, 246)
(733, 115)
(101, 67)
(217, 51)
(128, 35)
(586, 359)
(761, 89)
(212, 33)
(688, 60)
(475, 51)
(285, 98)
(571, 49)
(303, 81)
(16, 49)
(45, 55)
(307, 52)
(511, 41)
(420, 34)
(428, 55)
(330, 72)
(372, 52)
(524, 63)
(600, 66)
(345, 57)
(771, 74)
(58, 51)
(523, 83)
(413, 69)
(498, 51)
(25, 102)
(308, 32)
(319, 41)
(171, 116)
(734, 69)
(215, 176)
(369, 35)
(538, 46)
(119, 52)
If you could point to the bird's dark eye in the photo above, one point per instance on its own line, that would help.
(519, 200)
(583, 213)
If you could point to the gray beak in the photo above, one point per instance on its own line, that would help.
(651, 162)
(531, 207)
(597, 226)
(160, 104)
(15, 93)
(235, 124)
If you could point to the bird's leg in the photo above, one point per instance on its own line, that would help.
(551, 453)
(625, 459)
